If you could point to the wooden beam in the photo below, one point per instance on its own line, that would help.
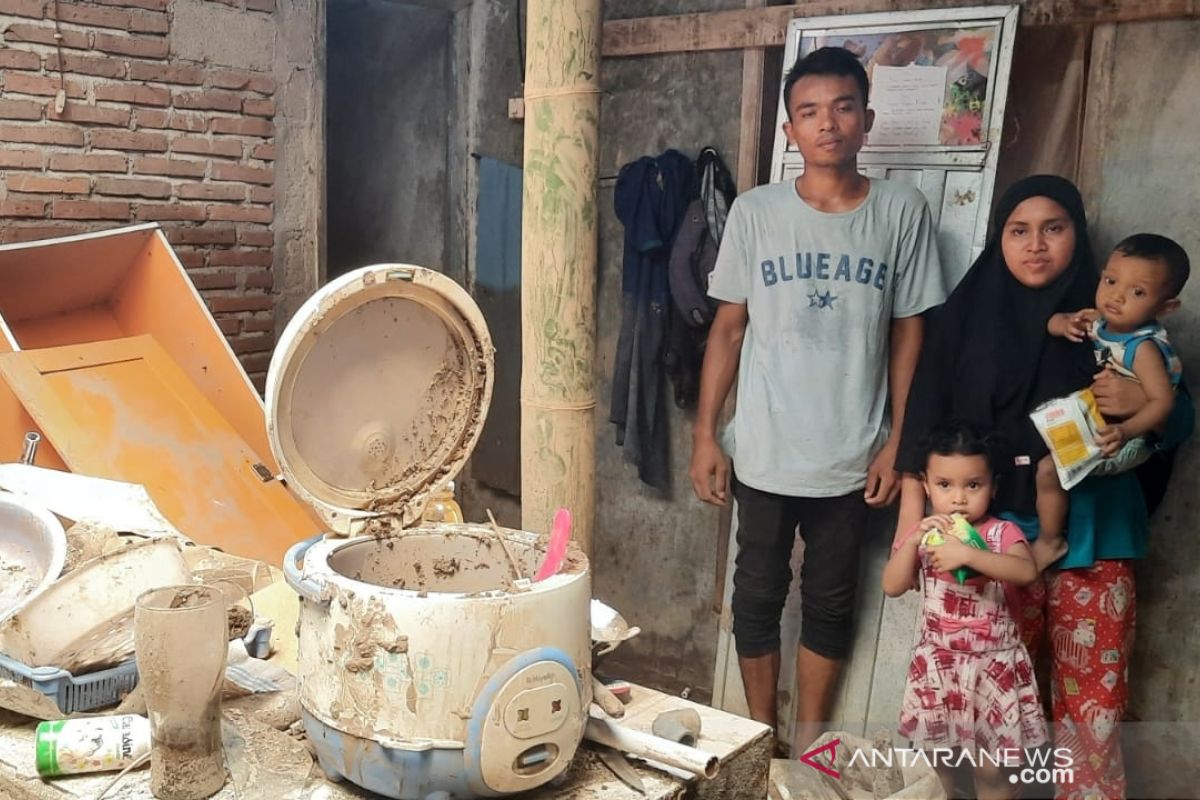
(1098, 101)
(739, 29)
(751, 116)
(749, 134)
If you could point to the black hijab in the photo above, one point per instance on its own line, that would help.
(987, 357)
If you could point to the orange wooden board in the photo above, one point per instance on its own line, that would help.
(122, 409)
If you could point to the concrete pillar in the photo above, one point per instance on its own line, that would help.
(558, 264)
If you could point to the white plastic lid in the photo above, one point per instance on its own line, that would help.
(377, 392)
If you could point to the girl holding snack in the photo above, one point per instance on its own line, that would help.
(971, 683)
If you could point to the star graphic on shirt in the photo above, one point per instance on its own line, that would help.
(821, 299)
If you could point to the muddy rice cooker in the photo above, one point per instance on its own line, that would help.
(430, 666)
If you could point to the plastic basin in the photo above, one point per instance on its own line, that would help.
(33, 547)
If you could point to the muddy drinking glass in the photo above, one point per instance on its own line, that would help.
(180, 635)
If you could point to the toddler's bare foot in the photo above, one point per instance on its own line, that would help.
(1047, 550)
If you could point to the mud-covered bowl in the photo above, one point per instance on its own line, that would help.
(33, 547)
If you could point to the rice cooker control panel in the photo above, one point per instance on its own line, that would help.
(533, 728)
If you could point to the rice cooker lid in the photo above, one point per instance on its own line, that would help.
(377, 393)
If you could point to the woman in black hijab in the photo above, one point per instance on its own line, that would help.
(989, 360)
(987, 357)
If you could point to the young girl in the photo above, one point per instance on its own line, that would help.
(971, 683)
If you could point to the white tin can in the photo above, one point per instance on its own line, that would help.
(93, 744)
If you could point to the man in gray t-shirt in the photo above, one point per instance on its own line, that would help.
(822, 282)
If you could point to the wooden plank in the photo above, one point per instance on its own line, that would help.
(898, 635)
(959, 217)
(729, 694)
(766, 27)
(852, 708)
(746, 177)
(1098, 100)
(789, 630)
(752, 101)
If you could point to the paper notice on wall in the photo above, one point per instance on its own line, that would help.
(908, 105)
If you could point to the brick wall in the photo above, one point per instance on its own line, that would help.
(145, 137)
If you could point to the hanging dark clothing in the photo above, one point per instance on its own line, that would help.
(987, 357)
(650, 197)
(692, 258)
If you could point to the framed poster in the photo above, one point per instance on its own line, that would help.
(938, 78)
(929, 83)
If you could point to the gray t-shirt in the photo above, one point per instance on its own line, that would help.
(821, 291)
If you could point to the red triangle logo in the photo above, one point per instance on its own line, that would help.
(810, 758)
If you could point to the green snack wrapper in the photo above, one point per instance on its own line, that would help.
(966, 534)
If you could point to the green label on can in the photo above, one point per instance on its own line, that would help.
(46, 747)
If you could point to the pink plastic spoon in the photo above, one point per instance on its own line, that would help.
(560, 534)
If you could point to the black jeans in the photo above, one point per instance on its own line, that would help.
(833, 529)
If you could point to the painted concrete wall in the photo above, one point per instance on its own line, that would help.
(388, 122)
(1148, 182)
(487, 72)
(655, 554)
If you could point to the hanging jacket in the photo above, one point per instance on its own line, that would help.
(650, 197)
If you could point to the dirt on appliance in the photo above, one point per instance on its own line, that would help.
(87, 540)
(370, 629)
(573, 561)
(445, 567)
(472, 560)
(449, 405)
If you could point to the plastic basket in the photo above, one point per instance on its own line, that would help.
(74, 693)
(104, 687)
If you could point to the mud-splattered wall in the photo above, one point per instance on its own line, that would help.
(656, 554)
(1149, 84)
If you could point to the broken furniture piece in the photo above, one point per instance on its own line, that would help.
(110, 354)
